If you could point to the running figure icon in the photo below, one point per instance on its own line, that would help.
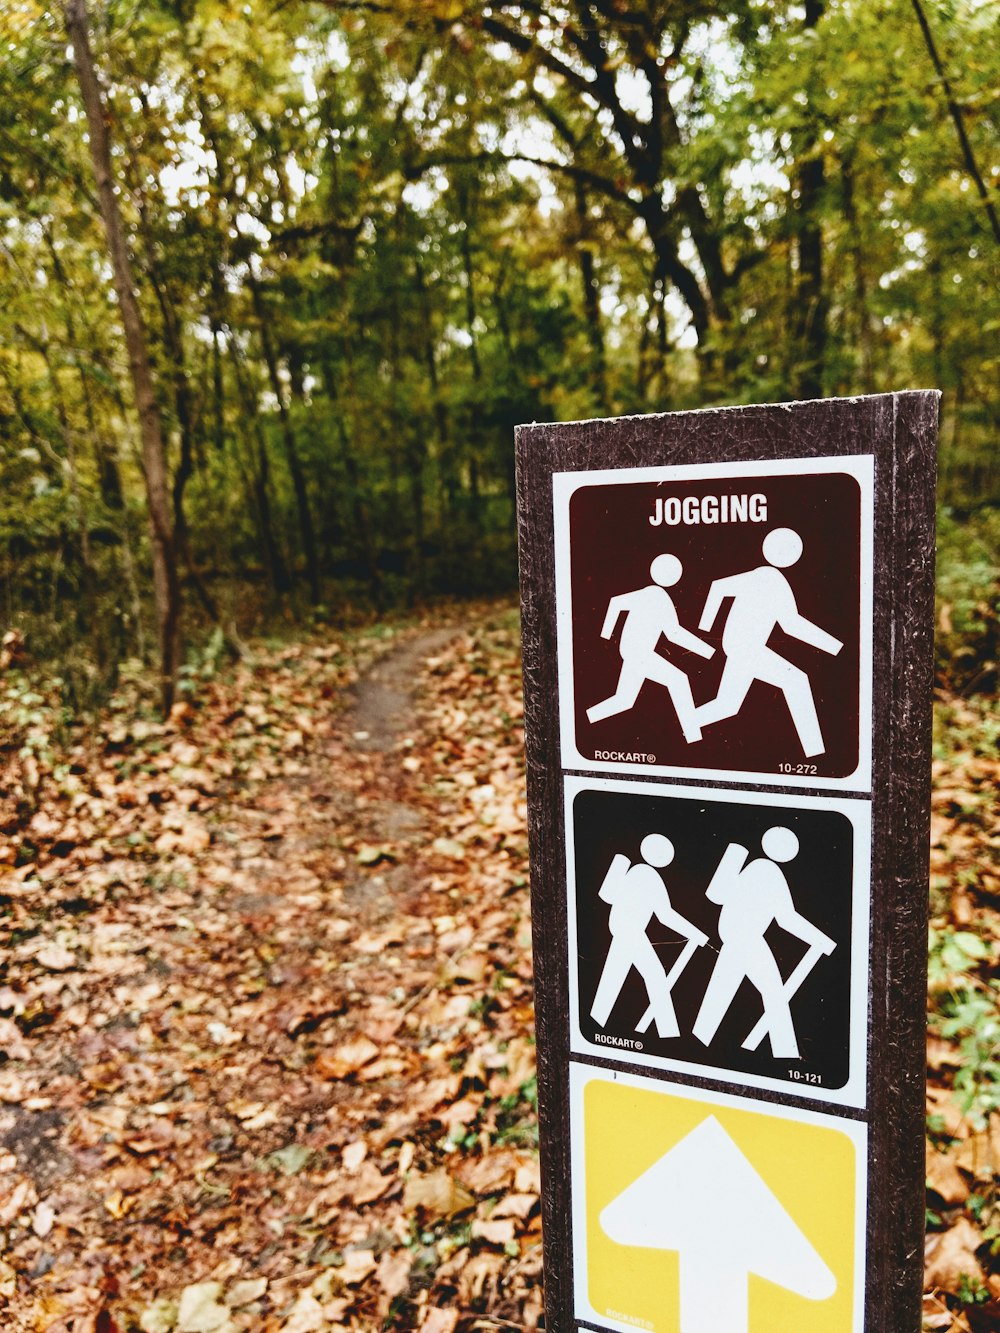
(752, 897)
(762, 599)
(649, 614)
(636, 894)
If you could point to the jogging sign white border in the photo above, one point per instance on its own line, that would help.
(564, 487)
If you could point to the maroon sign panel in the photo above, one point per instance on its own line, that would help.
(763, 574)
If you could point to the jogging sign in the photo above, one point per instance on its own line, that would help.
(727, 624)
(716, 619)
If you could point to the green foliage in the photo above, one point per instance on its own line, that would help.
(966, 1009)
(357, 278)
(968, 584)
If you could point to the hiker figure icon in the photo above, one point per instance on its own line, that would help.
(636, 894)
(753, 895)
(649, 615)
(762, 600)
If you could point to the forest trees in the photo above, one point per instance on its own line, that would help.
(366, 237)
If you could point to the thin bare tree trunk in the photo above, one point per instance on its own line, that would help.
(165, 582)
(288, 438)
(811, 303)
(955, 111)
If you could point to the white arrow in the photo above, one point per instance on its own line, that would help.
(704, 1200)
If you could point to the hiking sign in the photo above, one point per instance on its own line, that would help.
(720, 932)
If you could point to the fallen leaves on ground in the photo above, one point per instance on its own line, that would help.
(266, 1005)
(962, 1272)
(266, 1016)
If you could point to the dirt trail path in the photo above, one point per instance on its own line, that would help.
(276, 1017)
(384, 698)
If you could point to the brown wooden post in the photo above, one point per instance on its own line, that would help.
(727, 628)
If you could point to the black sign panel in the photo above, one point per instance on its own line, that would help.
(723, 935)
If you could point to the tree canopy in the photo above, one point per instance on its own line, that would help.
(366, 239)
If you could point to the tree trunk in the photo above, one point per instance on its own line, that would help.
(418, 454)
(591, 299)
(863, 315)
(288, 438)
(165, 582)
(277, 572)
(809, 336)
(955, 111)
(475, 410)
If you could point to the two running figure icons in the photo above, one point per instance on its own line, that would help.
(762, 600)
(752, 895)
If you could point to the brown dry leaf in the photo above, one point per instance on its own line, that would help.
(951, 1255)
(491, 1174)
(306, 1317)
(394, 1272)
(56, 958)
(43, 1220)
(117, 1204)
(944, 1177)
(941, 1103)
(437, 1193)
(470, 967)
(356, 1266)
(515, 1205)
(368, 1185)
(942, 1054)
(477, 1271)
(449, 848)
(345, 1059)
(527, 1177)
(187, 834)
(385, 1068)
(979, 1155)
(495, 1233)
(11, 1087)
(246, 1291)
(200, 1310)
(460, 1113)
(11, 1041)
(520, 1068)
(937, 1318)
(20, 1198)
(354, 1154)
(439, 1321)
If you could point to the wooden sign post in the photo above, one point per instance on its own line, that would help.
(727, 626)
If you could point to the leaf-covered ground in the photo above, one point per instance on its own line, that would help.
(266, 1013)
(962, 1274)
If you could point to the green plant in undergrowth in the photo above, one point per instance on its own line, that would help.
(968, 638)
(974, 1020)
(971, 1291)
(952, 954)
(517, 1119)
(965, 1009)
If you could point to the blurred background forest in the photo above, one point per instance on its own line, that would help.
(366, 239)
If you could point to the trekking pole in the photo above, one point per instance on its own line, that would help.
(806, 964)
(681, 962)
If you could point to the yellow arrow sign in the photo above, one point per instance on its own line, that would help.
(695, 1213)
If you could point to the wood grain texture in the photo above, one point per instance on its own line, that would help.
(900, 431)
